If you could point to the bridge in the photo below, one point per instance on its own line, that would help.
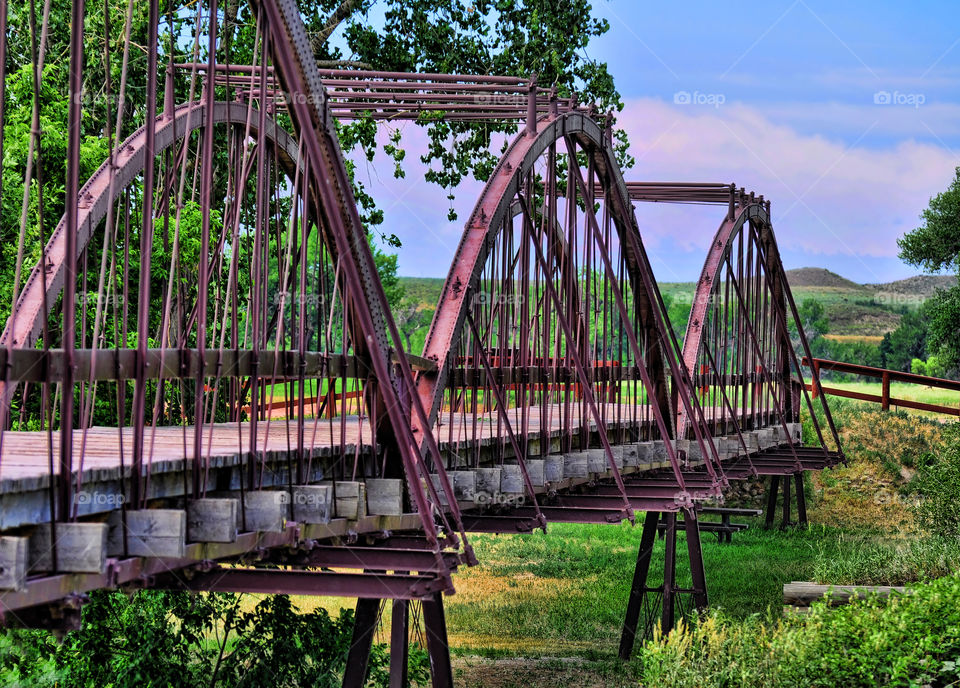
(140, 443)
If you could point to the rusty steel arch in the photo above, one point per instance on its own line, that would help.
(103, 188)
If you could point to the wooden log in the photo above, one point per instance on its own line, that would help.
(767, 438)
(312, 503)
(488, 486)
(81, 548)
(511, 479)
(631, 455)
(535, 467)
(384, 496)
(212, 520)
(266, 510)
(149, 533)
(464, 485)
(351, 500)
(597, 461)
(575, 465)
(13, 562)
(553, 468)
(803, 593)
(646, 453)
(796, 432)
(438, 486)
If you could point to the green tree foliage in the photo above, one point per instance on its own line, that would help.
(935, 247)
(907, 342)
(156, 638)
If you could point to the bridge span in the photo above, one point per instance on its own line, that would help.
(203, 386)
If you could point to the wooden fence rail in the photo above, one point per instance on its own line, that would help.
(886, 376)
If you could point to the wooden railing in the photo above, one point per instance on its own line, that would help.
(886, 377)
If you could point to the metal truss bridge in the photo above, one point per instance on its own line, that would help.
(203, 386)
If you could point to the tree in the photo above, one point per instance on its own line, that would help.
(934, 246)
(907, 342)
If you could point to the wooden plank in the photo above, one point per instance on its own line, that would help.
(80, 548)
(575, 465)
(351, 500)
(265, 510)
(212, 520)
(149, 533)
(312, 503)
(13, 562)
(511, 479)
(384, 496)
(488, 486)
(553, 468)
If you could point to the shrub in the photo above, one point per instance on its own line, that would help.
(907, 640)
(157, 638)
(938, 483)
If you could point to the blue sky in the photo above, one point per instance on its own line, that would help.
(845, 114)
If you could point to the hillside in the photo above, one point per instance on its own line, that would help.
(854, 310)
(821, 277)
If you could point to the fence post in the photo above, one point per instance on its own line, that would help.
(885, 394)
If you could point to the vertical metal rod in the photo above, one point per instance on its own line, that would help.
(70, 261)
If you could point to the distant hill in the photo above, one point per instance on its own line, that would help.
(821, 277)
(853, 310)
(921, 286)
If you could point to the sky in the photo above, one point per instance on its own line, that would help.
(846, 115)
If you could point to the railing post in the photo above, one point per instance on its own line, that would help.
(532, 105)
(815, 364)
(885, 394)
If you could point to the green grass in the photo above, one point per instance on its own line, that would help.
(565, 593)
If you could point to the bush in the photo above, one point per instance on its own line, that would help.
(157, 638)
(908, 640)
(938, 483)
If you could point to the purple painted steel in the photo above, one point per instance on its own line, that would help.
(282, 582)
(100, 192)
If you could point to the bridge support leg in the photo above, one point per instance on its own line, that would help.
(639, 588)
(435, 625)
(399, 644)
(786, 503)
(695, 554)
(644, 598)
(772, 499)
(669, 573)
(364, 624)
(801, 500)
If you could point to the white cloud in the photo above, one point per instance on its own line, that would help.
(828, 198)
